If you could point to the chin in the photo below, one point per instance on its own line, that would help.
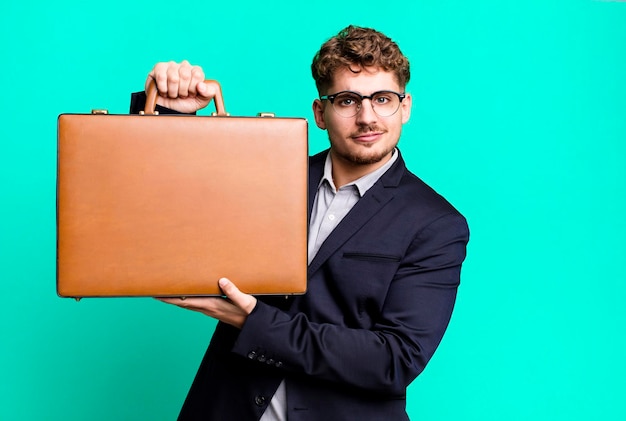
(366, 158)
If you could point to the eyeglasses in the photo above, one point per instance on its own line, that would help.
(348, 104)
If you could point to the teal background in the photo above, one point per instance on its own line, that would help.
(519, 119)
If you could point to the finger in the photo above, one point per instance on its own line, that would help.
(177, 301)
(206, 92)
(244, 301)
(207, 305)
(173, 79)
(223, 309)
(159, 75)
(196, 81)
(184, 79)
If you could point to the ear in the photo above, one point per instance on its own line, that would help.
(405, 107)
(318, 113)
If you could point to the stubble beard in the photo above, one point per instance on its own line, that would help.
(365, 159)
(357, 158)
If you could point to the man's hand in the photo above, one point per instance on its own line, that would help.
(233, 310)
(181, 86)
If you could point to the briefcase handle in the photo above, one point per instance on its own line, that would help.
(151, 98)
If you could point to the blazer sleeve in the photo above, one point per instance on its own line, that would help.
(387, 357)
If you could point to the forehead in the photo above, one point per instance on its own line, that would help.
(365, 81)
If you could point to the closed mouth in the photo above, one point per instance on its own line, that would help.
(367, 137)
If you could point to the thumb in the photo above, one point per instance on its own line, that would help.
(206, 91)
(245, 302)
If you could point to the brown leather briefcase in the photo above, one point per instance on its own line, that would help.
(165, 205)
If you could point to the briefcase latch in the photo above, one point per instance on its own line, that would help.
(264, 114)
(99, 111)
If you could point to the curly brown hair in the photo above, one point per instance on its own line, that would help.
(356, 48)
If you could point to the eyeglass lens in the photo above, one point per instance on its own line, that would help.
(348, 104)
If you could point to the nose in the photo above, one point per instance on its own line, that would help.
(366, 114)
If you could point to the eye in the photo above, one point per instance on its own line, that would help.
(383, 98)
(346, 100)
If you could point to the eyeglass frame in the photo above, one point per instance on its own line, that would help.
(332, 97)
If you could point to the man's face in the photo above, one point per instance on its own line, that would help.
(366, 139)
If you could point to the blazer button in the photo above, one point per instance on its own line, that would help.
(259, 400)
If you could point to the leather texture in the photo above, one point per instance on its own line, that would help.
(166, 205)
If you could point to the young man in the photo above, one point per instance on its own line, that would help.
(385, 254)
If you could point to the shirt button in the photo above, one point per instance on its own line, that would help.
(331, 217)
(259, 400)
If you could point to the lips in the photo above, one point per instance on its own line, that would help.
(367, 137)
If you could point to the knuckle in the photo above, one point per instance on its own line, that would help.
(159, 72)
(197, 73)
(184, 74)
(160, 67)
(172, 76)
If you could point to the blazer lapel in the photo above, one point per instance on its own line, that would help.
(369, 205)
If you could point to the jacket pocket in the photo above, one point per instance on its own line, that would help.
(371, 257)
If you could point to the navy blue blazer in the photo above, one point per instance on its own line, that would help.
(380, 295)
